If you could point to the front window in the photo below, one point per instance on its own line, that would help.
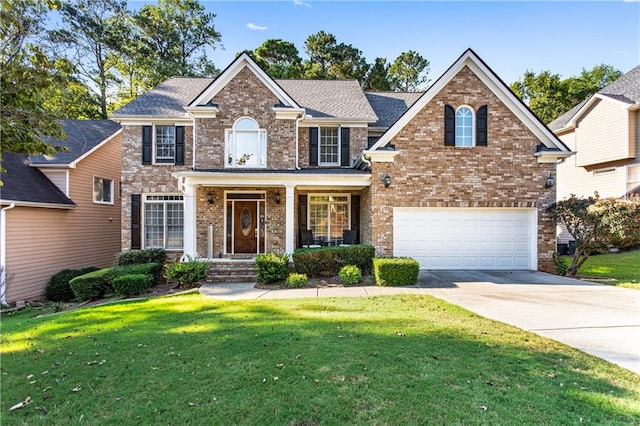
(246, 144)
(329, 145)
(165, 146)
(464, 126)
(163, 221)
(328, 215)
(102, 190)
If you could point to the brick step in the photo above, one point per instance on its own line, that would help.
(232, 271)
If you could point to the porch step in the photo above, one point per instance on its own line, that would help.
(232, 270)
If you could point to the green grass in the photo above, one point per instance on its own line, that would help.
(387, 360)
(623, 267)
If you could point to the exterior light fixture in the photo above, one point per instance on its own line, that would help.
(386, 180)
(277, 198)
(550, 181)
(210, 198)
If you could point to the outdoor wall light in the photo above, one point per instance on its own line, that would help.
(210, 198)
(277, 198)
(550, 181)
(386, 180)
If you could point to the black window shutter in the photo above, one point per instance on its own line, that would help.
(180, 145)
(146, 144)
(355, 215)
(135, 222)
(449, 126)
(302, 216)
(481, 126)
(345, 157)
(313, 146)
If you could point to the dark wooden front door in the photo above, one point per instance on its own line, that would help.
(245, 227)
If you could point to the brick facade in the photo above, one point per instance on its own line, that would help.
(426, 173)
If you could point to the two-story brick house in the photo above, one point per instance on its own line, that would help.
(241, 164)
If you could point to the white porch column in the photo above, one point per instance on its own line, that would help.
(190, 246)
(289, 221)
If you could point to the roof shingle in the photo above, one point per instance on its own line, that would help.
(389, 106)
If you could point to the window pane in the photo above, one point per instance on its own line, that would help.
(165, 142)
(246, 144)
(106, 190)
(97, 189)
(464, 127)
(175, 225)
(339, 219)
(329, 145)
(246, 124)
(246, 149)
(154, 225)
(319, 220)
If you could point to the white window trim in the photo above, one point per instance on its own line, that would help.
(262, 145)
(329, 194)
(473, 126)
(154, 141)
(145, 200)
(320, 162)
(110, 190)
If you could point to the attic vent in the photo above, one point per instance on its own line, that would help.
(604, 171)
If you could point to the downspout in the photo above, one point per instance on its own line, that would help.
(365, 160)
(3, 253)
(298, 120)
(193, 150)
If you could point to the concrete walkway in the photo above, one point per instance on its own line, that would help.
(601, 320)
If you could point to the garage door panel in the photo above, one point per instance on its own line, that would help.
(466, 238)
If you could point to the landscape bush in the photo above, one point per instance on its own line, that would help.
(329, 260)
(295, 280)
(272, 267)
(98, 283)
(350, 275)
(561, 266)
(131, 284)
(395, 271)
(134, 257)
(186, 273)
(59, 290)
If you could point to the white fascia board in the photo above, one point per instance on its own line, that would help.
(553, 157)
(202, 111)
(382, 156)
(232, 70)
(54, 166)
(288, 113)
(469, 59)
(35, 204)
(274, 179)
(147, 120)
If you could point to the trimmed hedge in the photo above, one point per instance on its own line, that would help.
(190, 272)
(131, 284)
(136, 257)
(295, 280)
(272, 267)
(98, 283)
(395, 271)
(329, 260)
(59, 290)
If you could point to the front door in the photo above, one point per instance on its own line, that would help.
(245, 238)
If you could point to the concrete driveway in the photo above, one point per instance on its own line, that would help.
(601, 320)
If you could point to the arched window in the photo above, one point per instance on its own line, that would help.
(246, 144)
(465, 127)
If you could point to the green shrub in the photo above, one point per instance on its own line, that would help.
(131, 284)
(295, 280)
(154, 270)
(190, 272)
(133, 257)
(92, 285)
(395, 271)
(329, 260)
(272, 267)
(59, 290)
(560, 264)
(350, 275)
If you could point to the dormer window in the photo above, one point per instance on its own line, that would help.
(246, 144)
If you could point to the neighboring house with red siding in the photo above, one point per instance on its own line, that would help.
(242, 164)
(61, 211)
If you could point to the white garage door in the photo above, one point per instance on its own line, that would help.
(466, 238)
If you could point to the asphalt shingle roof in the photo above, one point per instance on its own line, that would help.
(28, 184)
(81, 137)
(389, 106)
(624, 89)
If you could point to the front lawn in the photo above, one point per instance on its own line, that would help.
(623, 268)
(386, 360)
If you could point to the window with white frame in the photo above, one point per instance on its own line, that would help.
(102, 190)
(165, 146)
(163, 221)
(246, 144)
(633, 179)
(329, 215)
(329, 145)
(464, 126)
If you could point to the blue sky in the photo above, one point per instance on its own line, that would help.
(511, 36)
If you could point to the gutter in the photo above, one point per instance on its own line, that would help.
(3, 253)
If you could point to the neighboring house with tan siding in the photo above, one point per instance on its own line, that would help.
(61, 211)
(244, 164)
(604, 131)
